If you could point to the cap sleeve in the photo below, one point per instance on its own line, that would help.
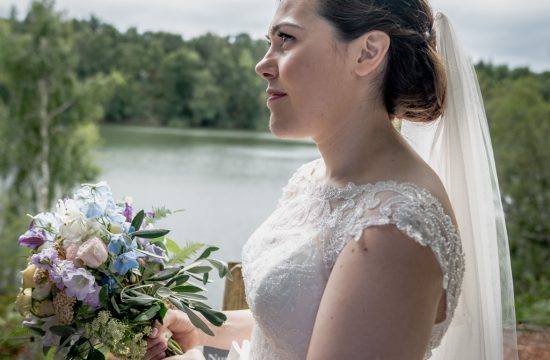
(415, 212)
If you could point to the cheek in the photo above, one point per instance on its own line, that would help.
(311, 80)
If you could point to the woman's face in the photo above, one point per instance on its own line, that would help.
(308, 75)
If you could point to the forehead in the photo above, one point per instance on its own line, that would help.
(295, 10)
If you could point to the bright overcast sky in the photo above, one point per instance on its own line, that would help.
(514, 32)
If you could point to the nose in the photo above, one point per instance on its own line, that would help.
(267, 68)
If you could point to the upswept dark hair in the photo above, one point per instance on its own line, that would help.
(414, 83)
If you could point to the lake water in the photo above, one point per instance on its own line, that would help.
(227, 182)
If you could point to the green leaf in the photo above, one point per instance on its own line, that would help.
(142, 300)
(179, 280)
(205, 278)
(138, 220)
(196, 277)
(207, 251)
(50, 355)
(76, 349)
(188, 289)
(199, 269)
(165, 274)
(148, 314)
(195, 320)
(181, 256)
(104, 296)
(37, 331)
(62, 330)
(115, 304)
(46, 350)
(171, 246)
(223, 269)
(215, 317)
(164, 292)
(149, 234)
(162, 311)
(95, 354)
(190, 296)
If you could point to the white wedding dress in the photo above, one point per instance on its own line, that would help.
(287, 261)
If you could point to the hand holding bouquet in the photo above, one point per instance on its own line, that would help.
(99, 277)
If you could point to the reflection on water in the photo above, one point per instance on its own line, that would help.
(227, 182)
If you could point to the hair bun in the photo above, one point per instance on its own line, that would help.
(415, 82)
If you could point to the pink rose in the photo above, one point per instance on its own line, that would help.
(70, 253)
(93, 252)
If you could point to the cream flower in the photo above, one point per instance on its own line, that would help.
(27, 277)
(44, 308)
(23, 303)
(42, 291)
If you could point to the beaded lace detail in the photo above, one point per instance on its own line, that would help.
(288, 259)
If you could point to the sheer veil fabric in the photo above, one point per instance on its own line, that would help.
(458, 147)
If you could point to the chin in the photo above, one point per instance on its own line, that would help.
(285, 129)
(283, 132)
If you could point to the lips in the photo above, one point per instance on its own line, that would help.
(275, 94)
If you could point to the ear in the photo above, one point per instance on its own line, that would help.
(372, 48)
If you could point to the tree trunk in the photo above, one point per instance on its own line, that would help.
(43, 183)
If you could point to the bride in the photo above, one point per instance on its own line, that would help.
(392, 245)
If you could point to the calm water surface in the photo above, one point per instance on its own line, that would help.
(227, 182)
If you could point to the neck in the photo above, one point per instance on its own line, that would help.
(355, 149)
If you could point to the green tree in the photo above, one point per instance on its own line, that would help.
(47, 124)
(518, 110)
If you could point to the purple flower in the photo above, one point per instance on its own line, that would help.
(50, 339)
(45, 259)
(92, 300)
(157, 250)
(78, 282)
(33, 238)
(127, 212)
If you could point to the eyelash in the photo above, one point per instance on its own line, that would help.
(284, 37)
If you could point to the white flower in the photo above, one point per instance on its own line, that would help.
(49, 223)
(75, 226)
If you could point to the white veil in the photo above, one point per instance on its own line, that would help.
(458, 147)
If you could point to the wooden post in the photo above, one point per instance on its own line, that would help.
(234, 297)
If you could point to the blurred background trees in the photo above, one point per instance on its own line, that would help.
(61, 78)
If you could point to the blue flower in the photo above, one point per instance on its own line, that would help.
(126, 261)
(116, 245)
(96, 201)
(109, 281)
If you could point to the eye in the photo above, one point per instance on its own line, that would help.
(285, 37)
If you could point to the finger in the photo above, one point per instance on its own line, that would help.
(153, 342)
(156, 351)
(156, 330)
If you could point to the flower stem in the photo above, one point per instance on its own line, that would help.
(174, 348)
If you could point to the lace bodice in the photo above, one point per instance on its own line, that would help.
(287, 261)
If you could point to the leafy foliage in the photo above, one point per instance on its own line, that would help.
(518, 109)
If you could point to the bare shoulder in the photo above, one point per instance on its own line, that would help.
(383, 290)
(418, 172)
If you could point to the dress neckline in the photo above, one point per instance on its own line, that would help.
(350, 186)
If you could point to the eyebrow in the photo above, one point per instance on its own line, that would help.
(276, 28)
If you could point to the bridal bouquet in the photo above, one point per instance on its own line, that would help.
(98, 277)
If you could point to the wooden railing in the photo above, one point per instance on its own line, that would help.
(234, 297)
